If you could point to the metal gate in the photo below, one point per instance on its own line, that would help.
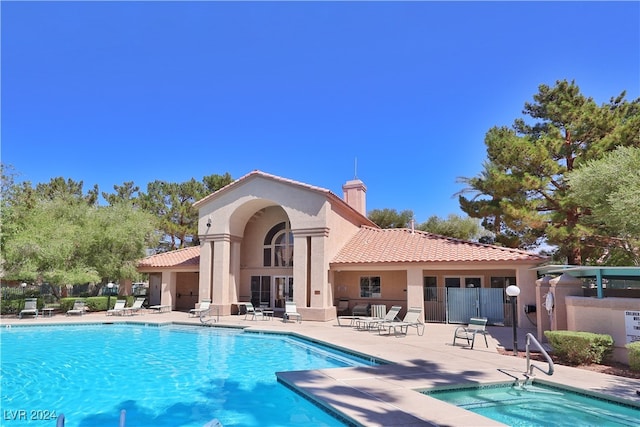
(458, 305)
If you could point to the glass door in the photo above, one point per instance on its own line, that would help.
(261, 291)
(283, 290)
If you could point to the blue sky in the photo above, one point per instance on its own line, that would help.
(108, 92)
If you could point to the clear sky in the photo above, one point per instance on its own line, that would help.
(108, 92)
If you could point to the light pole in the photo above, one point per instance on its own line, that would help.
(23, 286)
(110, 286)
(513, 291)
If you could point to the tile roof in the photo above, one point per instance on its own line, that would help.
(185, 257)
(374, 245)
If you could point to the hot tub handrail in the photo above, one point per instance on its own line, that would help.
(530, 366)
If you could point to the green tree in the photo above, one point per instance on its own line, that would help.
(391, 218)
(59, 188)
(522, 194)
(127, 192)
(608, 189)
(458, 227)
(172, 204)
(62, 242)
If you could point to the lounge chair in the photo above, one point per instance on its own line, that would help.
(411, 319)
(290, 310)
(30, 307)
(362, 310)
(118, 308)
(373, 322)
(78, 308)
(202, 309)
(252, 311)
(136, 307)
(477, 325)
(359, 311)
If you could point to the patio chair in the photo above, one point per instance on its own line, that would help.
(372, 322)
(136, 307)
(118, 308)
(30, 307)
(343, 307)
(477, 325)
(78, 308)
(359, 311)
(290, 310)
(202, 309)
(411, 320)
(252, 311)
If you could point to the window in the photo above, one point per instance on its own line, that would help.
(370, 287)
(457, 282)
(430, 288)
(278, 246)
(261, 290)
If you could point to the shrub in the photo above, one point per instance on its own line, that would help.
(580, 348)
(66, 304)
(93, 303)
(634, 355)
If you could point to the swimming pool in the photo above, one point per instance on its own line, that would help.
(161, 375)
(539, 405)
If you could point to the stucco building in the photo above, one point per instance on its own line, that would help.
(269, 239)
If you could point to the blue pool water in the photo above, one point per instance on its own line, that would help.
(162, 376)
(539, 405)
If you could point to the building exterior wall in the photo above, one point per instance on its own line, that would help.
(186, 290)
(233, 226)
(404, 285)
(601, 316)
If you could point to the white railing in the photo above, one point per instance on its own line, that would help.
(531, 366)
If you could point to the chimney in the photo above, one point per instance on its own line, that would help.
(355, 195)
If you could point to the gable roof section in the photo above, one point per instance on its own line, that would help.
(257, 173)
(185, 257)
(374, 245)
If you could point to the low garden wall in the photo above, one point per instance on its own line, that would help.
(603, 316)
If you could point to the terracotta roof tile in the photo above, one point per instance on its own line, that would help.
(179, 258)
(374, 245)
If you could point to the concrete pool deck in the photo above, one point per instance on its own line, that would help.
(386, 395)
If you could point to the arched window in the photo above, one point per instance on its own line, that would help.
(278, 246)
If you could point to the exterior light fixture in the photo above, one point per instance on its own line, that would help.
(110, 286)
(513, 291)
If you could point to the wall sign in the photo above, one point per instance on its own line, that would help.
(632, 324)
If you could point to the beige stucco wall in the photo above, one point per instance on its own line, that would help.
(403, 284)
(393, 286)
(186, 290)
(601, 316)
(232, 245)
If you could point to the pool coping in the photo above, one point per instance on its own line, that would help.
(389, 395)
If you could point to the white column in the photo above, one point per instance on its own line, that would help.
(168, 288)
(526, 281)
(221, 269)
(319, 272)
(204, 281)
(300, 251)
(234, 278)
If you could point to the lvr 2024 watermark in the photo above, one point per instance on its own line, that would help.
(28, 415)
